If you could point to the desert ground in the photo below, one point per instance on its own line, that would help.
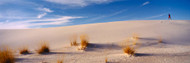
(105, 41)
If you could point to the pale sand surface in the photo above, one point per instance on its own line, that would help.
(104, 39)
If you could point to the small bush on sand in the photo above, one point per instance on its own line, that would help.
(44, 48)
(129, 51)
(6, 56)
(84, 42)
(24, 50)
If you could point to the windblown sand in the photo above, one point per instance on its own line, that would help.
(104, 39)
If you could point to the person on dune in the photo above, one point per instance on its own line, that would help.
(169, 17)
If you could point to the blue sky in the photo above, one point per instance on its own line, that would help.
(23, 14)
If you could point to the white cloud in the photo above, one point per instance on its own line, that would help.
(110, 15)
(41, 15)
(145, 3)
(28, 23)
(156, 16)
(79, 2)
(45, 9)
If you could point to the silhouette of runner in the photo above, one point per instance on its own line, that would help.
(169, 17)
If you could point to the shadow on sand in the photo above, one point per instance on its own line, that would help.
(95, 47)
(52, 53)
(143, 54)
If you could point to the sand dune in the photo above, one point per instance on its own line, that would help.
(104, 39)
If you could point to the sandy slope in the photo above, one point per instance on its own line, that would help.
(105, 38)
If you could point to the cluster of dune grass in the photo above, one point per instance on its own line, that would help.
(106, 60)
(135, 38)
(73, 41)
(84, 41)
(6, 56)
(129, 43)
(44, 48)
(59, 61)
(160, 40)
(24, 50)
(129, 51)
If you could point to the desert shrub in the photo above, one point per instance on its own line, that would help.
(44, 48)
(84, 42)
(24, 50)
(129, 51)
(6, 56)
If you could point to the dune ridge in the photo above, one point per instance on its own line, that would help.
(105, 37)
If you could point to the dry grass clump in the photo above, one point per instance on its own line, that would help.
(24, 50)
(160, 40)
(135, 36)
(6, 56)
(124, 43)
(129, 50)
(106, 60)
(59, 61)
(44, 48)
(73, 41)
(84, 42)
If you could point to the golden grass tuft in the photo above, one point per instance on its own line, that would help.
(135, 36)
(44, 48)
(73, 41)
(84, 42)
(129, 50)
(6, 56)
(59, 61)
(106, 60)
(160, 40)
(24, 51)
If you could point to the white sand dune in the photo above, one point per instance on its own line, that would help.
(105, 38)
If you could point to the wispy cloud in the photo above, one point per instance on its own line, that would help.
(41, 15)
(79, 2)
(156, 16)
(45, 10)
(113, 14)
(29, 23)
(145, 3)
